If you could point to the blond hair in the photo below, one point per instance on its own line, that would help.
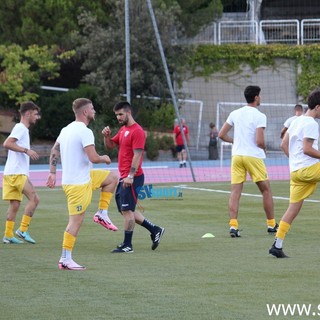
(79, 103)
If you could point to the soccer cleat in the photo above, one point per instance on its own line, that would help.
(105, 221)
(180, 165)
(122, 249)
(70, 265)
(185, 164)
(156, 238)
(273, 230)
(120, 245)
(25, 235)
(277, 252)
(234, 233)
(13, 240)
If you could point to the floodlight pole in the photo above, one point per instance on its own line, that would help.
(127, 36)
(174, 100)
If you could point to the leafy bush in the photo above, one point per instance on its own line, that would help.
(56, 111)
(163, 117)
(152, 147)
(160, 117)
(165, 142)
(97, 127)
(206, 60)
(155, 143)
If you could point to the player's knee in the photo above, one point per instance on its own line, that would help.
(113, 178)
(15, 205)
(35, 199)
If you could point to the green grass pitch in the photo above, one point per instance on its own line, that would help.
(187, 277)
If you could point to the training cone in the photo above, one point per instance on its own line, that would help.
(208, 235)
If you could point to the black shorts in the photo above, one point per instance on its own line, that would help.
(126, 198)
(180, 147)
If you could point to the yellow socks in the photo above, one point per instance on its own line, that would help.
(25, 223)
(105, 198)
(68, 241)
(283, 229)
(9, 229)
(281, 233)
(271, 223)
(233, 223)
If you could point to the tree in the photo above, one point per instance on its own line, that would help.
(49, 23)
(196, 14)
(21, 70)
(52, 22)
(45, 22)
(103, 51)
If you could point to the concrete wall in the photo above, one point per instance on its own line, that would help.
(278, 86)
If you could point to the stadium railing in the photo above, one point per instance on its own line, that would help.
(290, 31)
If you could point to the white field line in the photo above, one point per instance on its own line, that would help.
(243, 194)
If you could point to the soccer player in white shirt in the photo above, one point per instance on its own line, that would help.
(298, 111)
(248, 154)
(300, 144)
(75, 146)
(16, 181)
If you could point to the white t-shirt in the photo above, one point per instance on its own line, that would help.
(75, 163)
(288, 122)
(245, 122)
(18, 162)
(302, 127)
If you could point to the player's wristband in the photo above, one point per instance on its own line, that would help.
(130, 176)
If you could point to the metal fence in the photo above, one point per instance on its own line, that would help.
(310, 31)
(291, 31)
(279, 31)
(238, 31)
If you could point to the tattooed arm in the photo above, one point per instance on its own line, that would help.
(54, 157)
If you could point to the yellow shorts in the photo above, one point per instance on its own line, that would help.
(12, 186)
(241, 165)
(79, 196)
(303, 182)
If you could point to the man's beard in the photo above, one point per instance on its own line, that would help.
(124, 122)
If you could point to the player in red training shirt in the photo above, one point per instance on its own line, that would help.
(178, 141)
(131, 141)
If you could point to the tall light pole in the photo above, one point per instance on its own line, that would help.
(127, 37)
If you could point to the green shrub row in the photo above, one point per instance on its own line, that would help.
(154, 144)
(205, 60)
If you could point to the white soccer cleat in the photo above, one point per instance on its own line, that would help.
(70, 265)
